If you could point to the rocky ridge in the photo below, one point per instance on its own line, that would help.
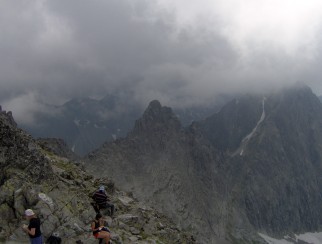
(59, 192)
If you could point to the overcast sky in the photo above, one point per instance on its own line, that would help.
(177, 51)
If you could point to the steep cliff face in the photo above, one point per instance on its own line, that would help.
(278, 181)
(59, 191)
(253, 166)
(273, 167)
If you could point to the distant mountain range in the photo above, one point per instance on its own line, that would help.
(254, 166)
(86, 123)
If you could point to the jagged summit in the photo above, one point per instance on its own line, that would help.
(7, 117)
(156, 118)
(154, 105)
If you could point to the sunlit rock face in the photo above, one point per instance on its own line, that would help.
(253, 166)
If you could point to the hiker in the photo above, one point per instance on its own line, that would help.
(102, 201)
(99, 230)
(33, 229)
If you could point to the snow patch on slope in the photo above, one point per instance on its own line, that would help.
(306, 238)
(244, 142)
(258, 123)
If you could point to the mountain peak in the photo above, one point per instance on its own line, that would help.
(7, 117)
(155, 104)
(156, 118)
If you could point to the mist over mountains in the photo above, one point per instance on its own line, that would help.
(138, 91)
(86, 123)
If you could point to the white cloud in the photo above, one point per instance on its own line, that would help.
(24, 107)
(291, 25)
(176, 51)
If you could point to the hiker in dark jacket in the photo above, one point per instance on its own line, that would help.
(33, 229)
(102, 201)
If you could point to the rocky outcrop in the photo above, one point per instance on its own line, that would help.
(19, 151)
(59, 191)
(58, 147)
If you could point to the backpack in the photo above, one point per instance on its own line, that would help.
(54, 240)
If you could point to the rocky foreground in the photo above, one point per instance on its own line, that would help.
(59, 191)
